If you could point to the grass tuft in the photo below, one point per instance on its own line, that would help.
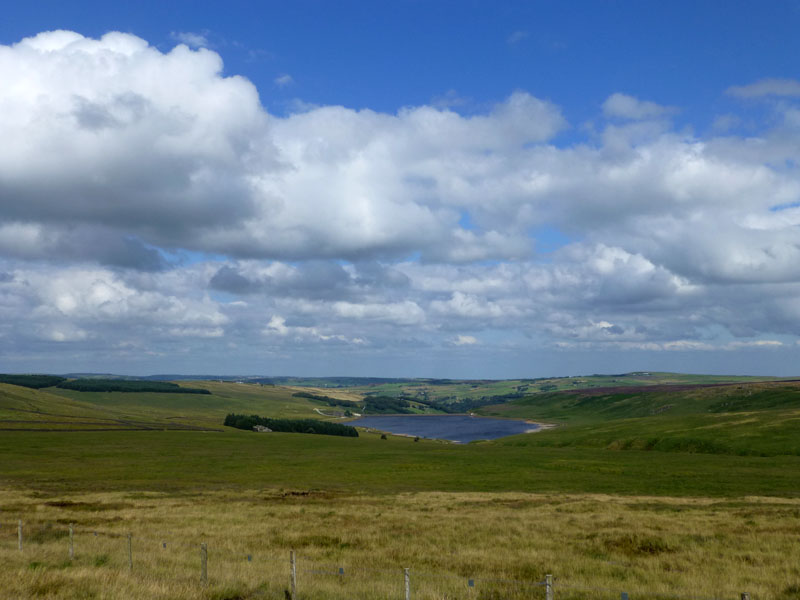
(101, 560)
(634, 544)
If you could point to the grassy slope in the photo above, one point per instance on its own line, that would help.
(338, 393)
(753, 418)
(60, 409)
(23, 408)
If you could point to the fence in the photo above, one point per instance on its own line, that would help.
(299, 577)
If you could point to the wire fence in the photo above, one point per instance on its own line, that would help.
(290, 575)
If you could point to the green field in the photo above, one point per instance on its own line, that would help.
(192, 461)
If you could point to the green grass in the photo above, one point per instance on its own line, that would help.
(55, 408)
(748, 419)
(590, 406)
(19, 404)
(194, 461)
(704, 441)
(764, 433)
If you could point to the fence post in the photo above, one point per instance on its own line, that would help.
(548, 587)
(203, 564)
(407, 582)
(745, 596)
(294, 574)
(130, 552)
(19, 535)
(71, 542)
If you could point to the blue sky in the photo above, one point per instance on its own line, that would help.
(405, 188)
(386, 55)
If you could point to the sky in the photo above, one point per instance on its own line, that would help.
(409, 188)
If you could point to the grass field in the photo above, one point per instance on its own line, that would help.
(693, 492)
(194, 461)
(596, 546)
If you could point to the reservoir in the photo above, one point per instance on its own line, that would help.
(456, 428)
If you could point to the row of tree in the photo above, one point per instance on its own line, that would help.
(386, 405)
(32, 381)
(127, 385)
(290, 425)
(37, 382)
(373, 405)
(325, 399)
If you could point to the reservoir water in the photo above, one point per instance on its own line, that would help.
(456, 428)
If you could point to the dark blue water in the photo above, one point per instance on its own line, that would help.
(456, 428)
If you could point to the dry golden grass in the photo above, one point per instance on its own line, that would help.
(338, 393)
(596, 546)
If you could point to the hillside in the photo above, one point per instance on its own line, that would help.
(61, 409)
(745, 418)
(451, 390)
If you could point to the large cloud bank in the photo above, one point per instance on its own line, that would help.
(150, 206)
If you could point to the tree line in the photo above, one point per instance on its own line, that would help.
(290, 425)
(127, 385)
(386, 405)
(325, 399)
(373, 405)
(35, 382)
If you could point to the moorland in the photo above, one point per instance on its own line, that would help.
(654, 484)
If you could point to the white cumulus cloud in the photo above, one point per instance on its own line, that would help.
(767, 87)
(190, 38)
(148, 198)
(627, 107)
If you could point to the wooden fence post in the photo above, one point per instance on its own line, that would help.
(130, 552)
(204, 564)
(19, 535)
(71, 541)
(548, 587)
(408, 583)
(294, 574)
